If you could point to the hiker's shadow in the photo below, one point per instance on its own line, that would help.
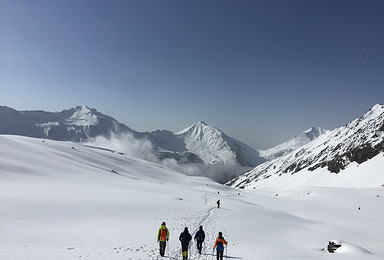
(224, 257)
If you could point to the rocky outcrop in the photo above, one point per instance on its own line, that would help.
(332, 247)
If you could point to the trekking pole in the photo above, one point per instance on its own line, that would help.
(213, 253)
(226, 252)
(168, 249)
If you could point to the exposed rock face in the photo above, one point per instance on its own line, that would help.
(357, 154)
(332, 246)
(358, 141)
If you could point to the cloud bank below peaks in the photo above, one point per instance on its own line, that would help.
(142, 148)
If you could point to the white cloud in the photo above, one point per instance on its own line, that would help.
(143, 149)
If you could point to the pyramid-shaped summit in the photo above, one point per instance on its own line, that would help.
(214, 147)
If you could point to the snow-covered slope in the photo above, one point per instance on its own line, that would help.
(351, 155)
(292, 144)
(64, 200)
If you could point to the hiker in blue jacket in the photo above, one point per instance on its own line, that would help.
(200, 236)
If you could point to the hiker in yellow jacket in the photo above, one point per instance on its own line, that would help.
(163, 237)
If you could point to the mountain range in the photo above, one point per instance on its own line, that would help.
(334, 157)
(198, 143)
(202, 144)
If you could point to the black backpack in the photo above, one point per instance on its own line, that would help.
(200, 235)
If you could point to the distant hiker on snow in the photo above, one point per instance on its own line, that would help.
(185, 238)
(200, 236)
(218, 204)
(163, 237)
(219, 245)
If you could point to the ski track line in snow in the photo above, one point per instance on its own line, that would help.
(209, 218)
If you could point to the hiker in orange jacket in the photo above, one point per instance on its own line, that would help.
(163, 237)
(219, 245)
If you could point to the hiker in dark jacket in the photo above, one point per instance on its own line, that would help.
(200, 236)
(185, 238)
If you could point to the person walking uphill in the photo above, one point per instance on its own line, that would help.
(185, 238)
(200, 236)
(163, 237)
(219, 245)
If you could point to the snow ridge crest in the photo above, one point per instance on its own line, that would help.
(331, 153)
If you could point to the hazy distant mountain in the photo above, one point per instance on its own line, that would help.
(76, 124)
(343, 149)
(293, 144)
(14, 123)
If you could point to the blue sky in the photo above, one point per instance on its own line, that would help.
(261, 71)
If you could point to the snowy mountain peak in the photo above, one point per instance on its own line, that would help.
(378, 107)
(75, 124)
(293, 143)
(215, 147)
(85, 109)
(83, 115)
(314, 131)
(198, 127)
(204, 140)
(372, 113)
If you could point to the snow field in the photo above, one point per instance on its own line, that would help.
(60, 200)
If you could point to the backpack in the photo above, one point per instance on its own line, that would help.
(163, 234)
(200, 235)
(220, 246)
(185, 238)
(220, 243)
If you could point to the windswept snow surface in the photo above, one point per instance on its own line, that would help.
(62, 200)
